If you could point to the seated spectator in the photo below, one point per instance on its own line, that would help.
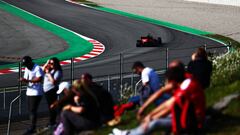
(85, 115)
(200, 67)
(183, 113)
(150, 84)
(103, 96)
(68, 94)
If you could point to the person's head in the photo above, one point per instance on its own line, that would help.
(54, 63)
(193, 57)
(79, 87)
(64, 87)
(201, 53)
(138, 67)
(175, 72)
(86, 78)
(27, 61)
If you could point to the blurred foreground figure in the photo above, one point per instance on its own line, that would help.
(104, 98)
(84, 115)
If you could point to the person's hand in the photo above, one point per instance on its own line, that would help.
(140, 113)
(23, 80)
(147, 118)
(67, 107)
(54, 105)
(47, 70)
(146, 122)
(76, 99)
(47, 62)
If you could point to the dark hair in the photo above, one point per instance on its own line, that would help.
(138, 64)
(56, 63)
(89, 76)
(26, 60)
(201, 53)
(176, 72)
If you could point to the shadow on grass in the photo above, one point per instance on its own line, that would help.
(223, 124)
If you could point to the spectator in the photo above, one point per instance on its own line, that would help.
(84, 115)
(103, 96)
(52, 78)
(201, 67)
(68, 95)
(33, 76)
(150, 84)
(63, 87)
(184, 112)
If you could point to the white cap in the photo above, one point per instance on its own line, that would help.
(62, 86)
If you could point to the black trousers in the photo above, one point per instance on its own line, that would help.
(75, 122)
(33, 103)
(51, 96)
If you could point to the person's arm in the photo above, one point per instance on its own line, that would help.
(50, 77)
(25, 76)
(44, 67)
(35, 80)
(55, 77)
(39, 76)
(63, 100)
(168, 87)
(75, 109)
(162, 110)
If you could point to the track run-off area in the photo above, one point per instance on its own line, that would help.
(118, 32)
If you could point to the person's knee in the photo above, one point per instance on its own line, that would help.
(65, 114)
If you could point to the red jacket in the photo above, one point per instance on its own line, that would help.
(188, 111)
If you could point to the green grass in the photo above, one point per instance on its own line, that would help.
(229, 122)
(214, 94)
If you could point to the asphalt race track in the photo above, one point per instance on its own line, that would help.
(117, 33)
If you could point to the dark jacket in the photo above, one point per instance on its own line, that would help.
(201, 69)
(105, 102)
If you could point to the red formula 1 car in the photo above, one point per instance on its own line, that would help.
(149, 41)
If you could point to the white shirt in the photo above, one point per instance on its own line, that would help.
(34, 89)
(145, 74)
(47, 84)
(148, 75)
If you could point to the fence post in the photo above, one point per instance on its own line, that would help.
(136, 87)
(205, 47)
(4, 98)
(121, 70)
(72, 70)
(20, 88)
(132, 81)
(230, 46)
(167, 58)
(109, 83)
(10, 113)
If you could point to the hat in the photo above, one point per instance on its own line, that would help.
(26, 60)
(62, 86)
